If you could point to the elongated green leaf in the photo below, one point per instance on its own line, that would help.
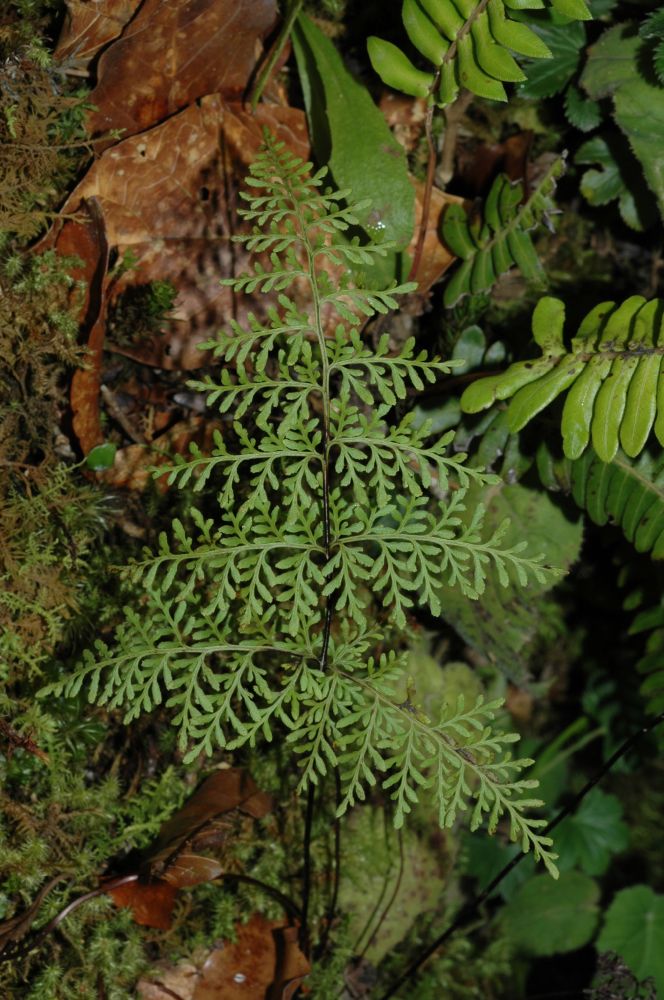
(611, 371)
(502, 240)
(363, 154)
(627, 491)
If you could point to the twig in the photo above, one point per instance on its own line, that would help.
(274, 53)
(469, 910)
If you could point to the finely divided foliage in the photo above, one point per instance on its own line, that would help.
(266, 614)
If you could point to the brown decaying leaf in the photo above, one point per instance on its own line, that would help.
(132, 467)
(168, 864)
(151, 903)
(405, 116)
(88, 27)
(265, 963)
(436, 258)
(163, 196)
(171, 54)
(231, 788)
(86, 239)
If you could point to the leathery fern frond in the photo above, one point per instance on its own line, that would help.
(261, 615)
(612, 371)
(469, 43)
(489, 246)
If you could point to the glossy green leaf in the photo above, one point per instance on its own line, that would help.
(593, 834)
(550, 918)
(101, 457)
(363, 156)
(634, 928)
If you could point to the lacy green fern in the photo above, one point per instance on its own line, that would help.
(490, 246)
(281, 609)
(612, 370)
(469, 44)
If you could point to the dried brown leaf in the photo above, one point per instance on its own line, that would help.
(256, 965)
(223, 791)
(164, 196)
(171, 54)
(132, 467)
(436, 258)
(151, 903)
(88, 27)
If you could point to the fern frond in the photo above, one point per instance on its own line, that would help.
(612, 372)
(650, 622)
(468, 43)
(626, 492)
(456, 761)
(258, 613)
(491, 246)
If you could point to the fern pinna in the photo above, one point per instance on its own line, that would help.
(263, 615)
(469, 43)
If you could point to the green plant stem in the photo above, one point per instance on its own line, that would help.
(471, 908)
(274, 53)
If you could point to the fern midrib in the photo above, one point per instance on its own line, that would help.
(514, 224)
(467, 25)
(635, 473)
(325, 417)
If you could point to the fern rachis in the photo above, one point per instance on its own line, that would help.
(263, 615)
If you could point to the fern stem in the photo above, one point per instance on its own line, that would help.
(393, 895)
(306, 874)
(470, 909)
(275, 52)
(332, 907)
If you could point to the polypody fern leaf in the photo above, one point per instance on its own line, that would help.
(612, 371)
(490, 246)
(468, 43)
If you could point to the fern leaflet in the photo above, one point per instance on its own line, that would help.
(468, 43)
